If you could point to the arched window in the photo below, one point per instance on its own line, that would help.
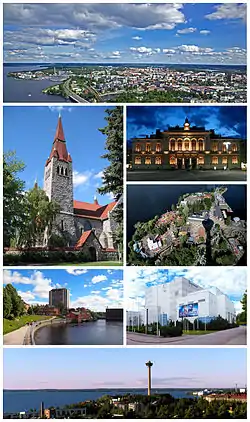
(62, 171)
(137, 160)
(58, 170)
(224, 160)
(215, 160)
(193, 145)
(187, 145)
(87, 225)
(201, 145)
(172, 160)
(158, 148)
(224, 148)
(138, 148)
(62, 225)
(157, 160)
(235, 160)
(215, 146)
(148, 160)
(234, 148)
(66, 172)
(148, 148)
(200, 160)
(179, 146)
(172, 145)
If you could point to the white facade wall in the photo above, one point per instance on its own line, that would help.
(207, 304)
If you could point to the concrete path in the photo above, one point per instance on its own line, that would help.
(16, 337)
(234, 336)
(183, 175)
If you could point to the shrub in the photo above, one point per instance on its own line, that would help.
(168, 331)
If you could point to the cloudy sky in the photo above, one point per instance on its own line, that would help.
(36, 130)
(122, 33)
(109, 368)
(226, 121)
(93, 289)
(231, 281)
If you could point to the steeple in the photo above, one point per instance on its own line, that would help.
(186, 124)
(59, 148)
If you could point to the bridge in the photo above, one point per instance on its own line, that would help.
(72, 95)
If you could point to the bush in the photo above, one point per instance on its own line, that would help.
(168, 331)
(40, 257)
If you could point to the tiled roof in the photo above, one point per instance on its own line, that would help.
(59, 148)
(96, 211)
(83, 239)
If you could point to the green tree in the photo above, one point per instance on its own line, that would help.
(112, 181)
(7, 303)
(40, 215)
(242, 317)
(16, 301)
(13, 189)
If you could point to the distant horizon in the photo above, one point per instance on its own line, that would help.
(126, 63)
(122, 388)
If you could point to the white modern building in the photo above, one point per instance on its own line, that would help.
(181, 298)
(135, 318)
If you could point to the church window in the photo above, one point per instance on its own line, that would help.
(62, 171)
(148, 148)
(224, 160)
(148, 160)
(158, 148)
(82, 230)
(57, 169)
(137, 160)
(172, 160)
(66, 172)
(157, 160)
(234, 148)
(235, 160)
(179, 146)
(138, 148)
(193, 145)
(200, 160)
(215, 160)
(62, 225)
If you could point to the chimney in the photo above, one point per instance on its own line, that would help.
(96, 201)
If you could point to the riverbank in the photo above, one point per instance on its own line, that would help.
(13, 325)
(23, 335)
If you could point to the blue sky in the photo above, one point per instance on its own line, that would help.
(139, 33)
(226, 121)
(231, 281)
(102, 368)
(32, 137)
(94, 289)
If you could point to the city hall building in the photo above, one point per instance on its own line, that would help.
(187, 147)
(182, 298)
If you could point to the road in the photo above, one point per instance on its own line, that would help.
(17, 337)
(72, 95)
(234, 336)
(184, 175)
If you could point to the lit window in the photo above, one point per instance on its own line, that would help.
(234, 148)
(215, 146)
(158, 148)
(215, 160)
(137, 160)
(186, 146)
(172, 145)
(172, 160)
(157, 160)
(224, 148)
(179, 146)
(201, 160)
(234, 160)
(193, 145)
(224, 160)
(148, 148)
(201, 146)
(148, 160)
(138, 148)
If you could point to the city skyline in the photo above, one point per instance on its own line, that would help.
(37, 126)
(93, 289)
(231, 281)
(226, 121)
(42, 368)
(126, 33)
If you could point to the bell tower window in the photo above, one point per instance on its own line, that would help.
(66, 172)
(62, 225)
(62, 171)
(58, 170)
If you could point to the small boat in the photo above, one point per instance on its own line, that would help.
(29, 95)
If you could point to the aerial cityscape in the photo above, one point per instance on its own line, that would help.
(86, 308)
(186, 149)
(125, 383)
(192, 225)
(186, 306)
(50, 224)
(125, 53)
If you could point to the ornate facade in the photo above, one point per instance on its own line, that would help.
(186, 148)
(83, 224)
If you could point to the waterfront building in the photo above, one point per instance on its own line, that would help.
(182, 298)
(78, 315)
(114, 314)
(83, 225)
(58, 297)
(187, 147)
(48, 310)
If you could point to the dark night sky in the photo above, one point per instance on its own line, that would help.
(225, 120)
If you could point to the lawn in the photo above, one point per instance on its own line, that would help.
(198, 332)
(81, 264)
(12, 325)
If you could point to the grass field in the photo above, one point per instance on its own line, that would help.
(12, 325)
(78, 264)
(198, 332)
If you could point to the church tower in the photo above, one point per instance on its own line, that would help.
(58, 185)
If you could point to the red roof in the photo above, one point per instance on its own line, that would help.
(59, 148)
(95, 210)
(83, 239)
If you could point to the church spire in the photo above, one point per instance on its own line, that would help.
(59, 148)
(59, 130)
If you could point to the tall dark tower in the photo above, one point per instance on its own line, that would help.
(149, 364)
(42, 410)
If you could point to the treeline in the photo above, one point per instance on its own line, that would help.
(13, 305)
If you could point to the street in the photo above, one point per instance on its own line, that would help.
(234, 336)
(184, 175)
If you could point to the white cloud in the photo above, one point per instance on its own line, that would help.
(228, 11)
(42, 285)
(59, 109)
(74, 271)
(186, 30)
(205, 32)
(26, 296)
(85, 285)
(148, 51)
(97, 302)
(99, 279)
(99, 175)
(80, 178)
(137, 38)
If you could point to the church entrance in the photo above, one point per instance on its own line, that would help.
(92, 252)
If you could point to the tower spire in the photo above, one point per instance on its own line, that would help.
(59, 130)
